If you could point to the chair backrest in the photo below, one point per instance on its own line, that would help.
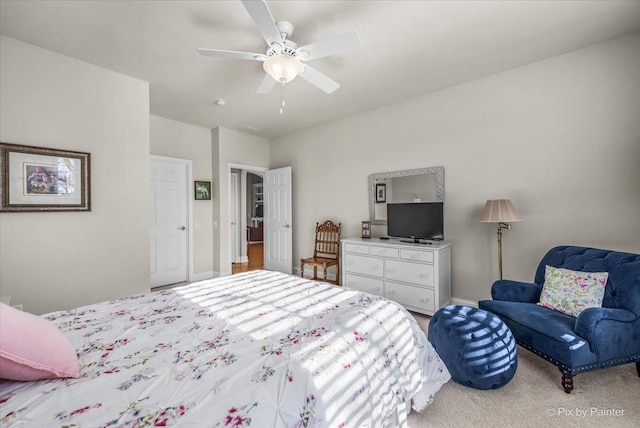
(623, 285)
(327, 240)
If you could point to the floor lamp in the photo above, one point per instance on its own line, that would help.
(500, 211)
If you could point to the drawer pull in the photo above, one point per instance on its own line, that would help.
(391, 270)
(376, 289)
(375, 267)
(424, 275)
(350, 262)
(392, 292)
(414, 256)
(424, 300)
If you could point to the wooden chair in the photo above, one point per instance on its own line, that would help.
(326, 251)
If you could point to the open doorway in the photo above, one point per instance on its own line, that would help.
(247, 231)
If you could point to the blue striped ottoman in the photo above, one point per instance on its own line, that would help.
(475, 345)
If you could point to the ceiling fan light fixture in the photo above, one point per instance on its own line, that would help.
(283, 68)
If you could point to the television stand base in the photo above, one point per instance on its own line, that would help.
(428, 241)
(411, 240)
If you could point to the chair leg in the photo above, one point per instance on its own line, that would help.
(338, 278)
(315, 272)
(301, 269)
(567, 381)
(324, 273)
(638, 367)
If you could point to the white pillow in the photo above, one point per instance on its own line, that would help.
(572, 292)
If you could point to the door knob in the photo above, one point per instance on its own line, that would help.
(182, 228)
(287, 226)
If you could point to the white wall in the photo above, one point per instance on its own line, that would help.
(231, 147)
(184, 141)
(560, 138)
(59, 260)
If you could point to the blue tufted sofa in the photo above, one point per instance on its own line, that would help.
(598, 337)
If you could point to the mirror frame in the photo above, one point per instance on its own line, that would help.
(437, 170)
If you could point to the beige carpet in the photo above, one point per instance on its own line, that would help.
(534, 398)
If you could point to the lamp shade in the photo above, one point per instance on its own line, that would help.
(499, 211)
(284, 68)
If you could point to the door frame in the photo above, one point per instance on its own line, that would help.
(235, 239)
(249, 168)
(189, 193)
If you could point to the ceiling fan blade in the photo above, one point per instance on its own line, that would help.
(232, 54)
(332, 46)
(267, 84)
(318, 79)
(261, 15)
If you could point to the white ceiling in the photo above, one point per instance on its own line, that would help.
(409, 48)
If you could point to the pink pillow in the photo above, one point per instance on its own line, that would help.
(32, 348)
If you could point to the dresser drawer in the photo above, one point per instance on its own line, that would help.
(408, 295)
(363, 283)
(356, 248)
(417, 255)
(384, 252)
(364, 265)
(415, 273)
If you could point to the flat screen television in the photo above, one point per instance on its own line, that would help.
(416, 221)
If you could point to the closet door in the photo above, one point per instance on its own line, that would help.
(169, 251)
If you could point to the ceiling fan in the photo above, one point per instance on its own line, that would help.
(283, 58)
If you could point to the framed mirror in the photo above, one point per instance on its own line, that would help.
(412, 185)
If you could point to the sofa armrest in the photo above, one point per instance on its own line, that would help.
(587, 321)
(515, 291)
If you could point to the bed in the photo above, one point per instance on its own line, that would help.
(260, 349)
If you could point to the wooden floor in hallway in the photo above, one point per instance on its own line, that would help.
(255, 253)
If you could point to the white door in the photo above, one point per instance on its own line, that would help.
(168, 221)
(233, 215)
(277, 220)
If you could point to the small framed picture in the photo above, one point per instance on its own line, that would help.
(366, 229)
(381, 193)
(202, 190)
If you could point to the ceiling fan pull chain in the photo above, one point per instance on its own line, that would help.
(282, 103)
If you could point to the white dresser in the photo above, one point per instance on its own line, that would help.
(418, 276)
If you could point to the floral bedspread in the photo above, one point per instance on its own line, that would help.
(259, 349)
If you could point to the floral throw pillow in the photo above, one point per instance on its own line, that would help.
(571, 292)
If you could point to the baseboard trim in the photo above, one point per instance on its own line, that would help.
(463, 302)
(202, 276)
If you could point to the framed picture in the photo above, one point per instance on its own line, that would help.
(366, 229)
(381, 192)
(41, 179)
(202, 190)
